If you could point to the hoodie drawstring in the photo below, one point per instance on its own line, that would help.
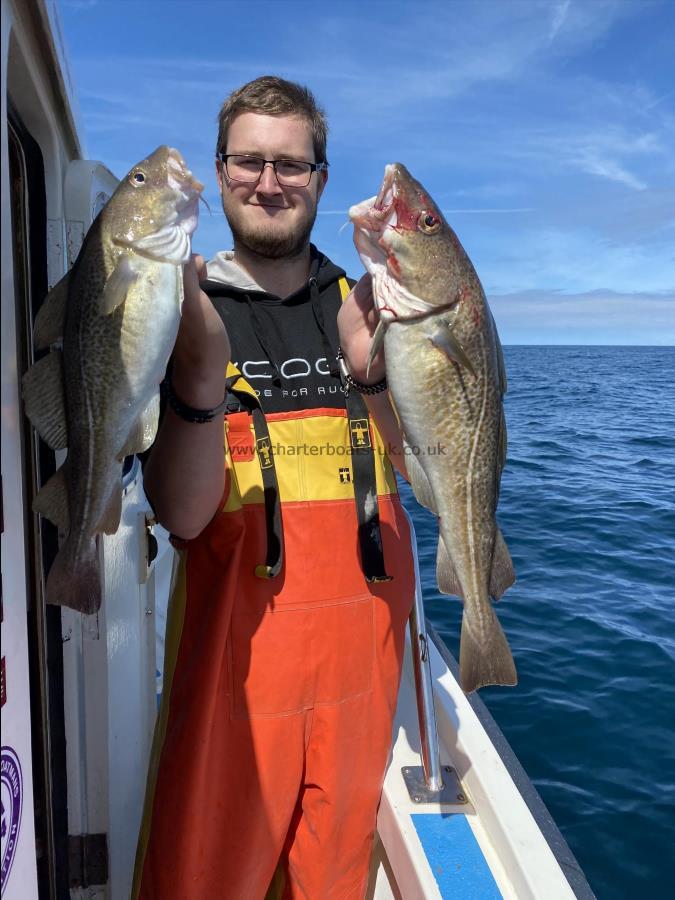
(259, 331)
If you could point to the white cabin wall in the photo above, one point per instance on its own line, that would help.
(21, 879)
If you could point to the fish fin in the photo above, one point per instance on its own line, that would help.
(168, 245)
(51, 500)
(110, 520)
(51, 317)
(501, 445)
(143, 432)
(74, 579)
(501, 366)
(117, 286)
(44, 402)
(502, 575)
(376, 343)
(484, 653)
(418, 479)
(447, 343)
(446, 574)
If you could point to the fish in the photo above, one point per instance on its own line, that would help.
(446, 377)
(111, 323)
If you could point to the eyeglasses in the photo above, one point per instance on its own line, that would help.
(288, 172)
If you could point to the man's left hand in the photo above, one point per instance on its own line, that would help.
(357, 321)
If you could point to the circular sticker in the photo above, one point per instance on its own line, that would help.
(12, 798)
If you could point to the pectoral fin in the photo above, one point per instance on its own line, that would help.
(42, 388)
(445, 340)
(375, 345)
(51, 317)
(123, 276)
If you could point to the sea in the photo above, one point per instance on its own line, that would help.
(587, 507)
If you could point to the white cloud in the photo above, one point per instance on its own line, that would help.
(559, 11)
(608, 168)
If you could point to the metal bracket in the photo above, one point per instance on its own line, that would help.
(87, 859)
(148, 547)
(451, 792)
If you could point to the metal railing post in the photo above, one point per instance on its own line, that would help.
(426, 713)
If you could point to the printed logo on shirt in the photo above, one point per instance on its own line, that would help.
(300, 378)
(296, 367)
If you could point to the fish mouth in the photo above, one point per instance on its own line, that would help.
(385, 200)
(375, 221)
(187, 190)
(180, 178)
(375, 214)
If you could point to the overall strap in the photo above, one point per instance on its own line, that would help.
(365, 488)
(241, 397)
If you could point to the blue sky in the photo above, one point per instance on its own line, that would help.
(544, 129)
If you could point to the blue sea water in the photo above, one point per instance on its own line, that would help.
(587, 508)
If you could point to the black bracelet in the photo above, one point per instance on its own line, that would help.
(189, 413)
(351, 384)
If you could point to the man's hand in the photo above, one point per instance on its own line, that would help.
(357, 321)
(202, 349)
(185, 473)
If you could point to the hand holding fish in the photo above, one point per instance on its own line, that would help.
(202, 348)
(357, 322)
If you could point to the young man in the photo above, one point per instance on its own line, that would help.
(287, 619)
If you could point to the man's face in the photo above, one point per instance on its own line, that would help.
(270, 220)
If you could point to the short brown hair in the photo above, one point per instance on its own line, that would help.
(272, 96)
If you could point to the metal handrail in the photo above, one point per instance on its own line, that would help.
(426, 713)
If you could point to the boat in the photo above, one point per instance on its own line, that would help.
(80, 693)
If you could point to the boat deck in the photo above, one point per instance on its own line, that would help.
(497, 840)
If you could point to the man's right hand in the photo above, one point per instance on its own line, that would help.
(185, 473)
(202, 349)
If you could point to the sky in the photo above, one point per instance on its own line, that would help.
(544, 130)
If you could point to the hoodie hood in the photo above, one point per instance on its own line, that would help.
(223, 271)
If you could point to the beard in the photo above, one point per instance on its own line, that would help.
(271, 243)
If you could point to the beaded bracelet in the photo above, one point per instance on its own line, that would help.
(351, 384)
(189, 413)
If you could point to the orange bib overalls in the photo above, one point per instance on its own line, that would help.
(279, 693)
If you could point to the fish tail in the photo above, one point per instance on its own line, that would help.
(484, 653)
(74, 579)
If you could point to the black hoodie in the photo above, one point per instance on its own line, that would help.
(285, 348)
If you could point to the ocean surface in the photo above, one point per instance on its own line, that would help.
(587, 508)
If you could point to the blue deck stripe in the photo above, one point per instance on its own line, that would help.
(455, 858)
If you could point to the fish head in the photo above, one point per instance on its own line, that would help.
(154, 209)
(404, 241)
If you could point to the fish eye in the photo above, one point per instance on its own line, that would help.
(138, 178)
(428, 223)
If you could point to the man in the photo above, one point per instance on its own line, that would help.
(287, 619)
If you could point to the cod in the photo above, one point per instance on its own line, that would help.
(446, 377)
(115, 315)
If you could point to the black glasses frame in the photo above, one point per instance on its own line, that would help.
(313, 167)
